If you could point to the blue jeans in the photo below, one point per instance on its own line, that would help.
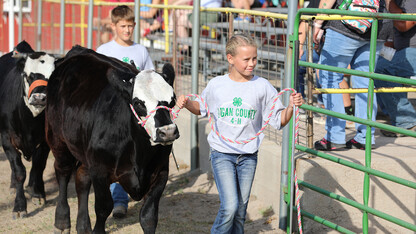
(300, 87)
(234, 175)
(339, 51)
(396, 105)
(120, 197)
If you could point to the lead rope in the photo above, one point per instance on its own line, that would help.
(174, 114)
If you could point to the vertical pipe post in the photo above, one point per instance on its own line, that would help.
(137, 19)
(309, 70)
(370, 99)
(292, 150)
(174, 46)
(292, 8)
(166, 22)
(11, 25)
(39, 28)
(62, 29)
(20, 17)
(90, 16)
(195, 84)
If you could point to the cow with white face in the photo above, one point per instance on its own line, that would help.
(23, 79)
(91, 127)
(38, 67)
(151, 91)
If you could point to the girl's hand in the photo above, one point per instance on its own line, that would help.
(296, 99)
(182, 101)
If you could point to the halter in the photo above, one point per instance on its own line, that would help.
(143, 121)
(35, 84)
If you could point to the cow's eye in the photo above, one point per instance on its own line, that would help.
(42, 61)
(140, 107)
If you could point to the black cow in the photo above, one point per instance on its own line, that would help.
(91, 129)
(23, 83)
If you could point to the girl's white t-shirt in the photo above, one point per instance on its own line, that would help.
(239, 110)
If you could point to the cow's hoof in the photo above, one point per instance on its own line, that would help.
(59, 231)
(19, 215)
(39, 201)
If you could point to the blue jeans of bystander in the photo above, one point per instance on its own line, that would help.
(302, 71)
(120, 197)
(339, 51)
(401, 112)
(234, 175)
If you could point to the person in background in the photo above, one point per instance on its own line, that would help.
(401, 61)
(126, 50)
(246, 5)
(240, 103)
(344, 46)
(151, 19)
(300, 87)
(184, 17)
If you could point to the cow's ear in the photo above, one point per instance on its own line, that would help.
(120, 81)
(20, 60)
(168, 73)
(23, 47)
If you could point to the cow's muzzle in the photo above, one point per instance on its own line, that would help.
(35, 98)
(167, 133)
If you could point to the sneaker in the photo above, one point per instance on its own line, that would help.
(353, 144)
(393, 134)
(119, 212)
(327, 145)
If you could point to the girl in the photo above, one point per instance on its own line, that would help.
(240, 103)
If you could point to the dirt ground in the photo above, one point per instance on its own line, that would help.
(189, 205)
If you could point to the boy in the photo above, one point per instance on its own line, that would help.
(126, 50)
(122, 47)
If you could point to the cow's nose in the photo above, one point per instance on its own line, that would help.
(167, 133)
(37, 99)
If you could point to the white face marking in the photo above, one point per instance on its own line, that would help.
(44, 65)
(151, 88)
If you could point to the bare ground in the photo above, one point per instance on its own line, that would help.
(189, 205)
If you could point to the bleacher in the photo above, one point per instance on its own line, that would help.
(269, 35)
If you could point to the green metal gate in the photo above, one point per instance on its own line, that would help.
(364, 207)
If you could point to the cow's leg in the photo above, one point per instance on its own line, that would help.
(83, 185)
(103, 199)
(13, 182)
(18, 177)
(64, 166)
(36, 185)
(150, 209)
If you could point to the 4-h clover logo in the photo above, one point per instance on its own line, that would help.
(237, 101)
(126, 59)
